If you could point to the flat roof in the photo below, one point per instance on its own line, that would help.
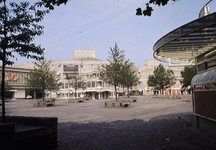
(184, 44)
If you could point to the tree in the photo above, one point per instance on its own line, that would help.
(110, 73)
(129, 76)
(76, 82)
(172, 79)
(148, 10)
(18, 27)
(51, 3)
(8, 87)
(160, 79)
(187, 74)
(139, 12)
(42, 77)
(55, 84)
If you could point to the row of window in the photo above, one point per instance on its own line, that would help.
(83, 75)
(205, 87)
(91, 84)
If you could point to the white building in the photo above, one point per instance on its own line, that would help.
(85, 64)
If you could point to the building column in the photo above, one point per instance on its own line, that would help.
(35, 94)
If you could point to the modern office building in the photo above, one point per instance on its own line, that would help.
(194, 44)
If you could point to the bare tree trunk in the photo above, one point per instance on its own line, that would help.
(115, 92)
(43, 93)
(2, 90)
(128, 92)
(3, 66)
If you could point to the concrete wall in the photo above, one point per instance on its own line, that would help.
(19, 94)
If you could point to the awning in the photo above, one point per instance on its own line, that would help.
(204, 78)
(184, 44)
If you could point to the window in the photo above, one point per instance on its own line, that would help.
(198, 87)
(66, 85)
(202, 67)
(211, 63)
(93, 84)
(89, 84)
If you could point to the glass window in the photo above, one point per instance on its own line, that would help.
(66, 85)
(198, 87)
(93, 84)
(202, 67)
(211, 63)
(89, 84)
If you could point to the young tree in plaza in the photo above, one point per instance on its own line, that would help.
(76, 82)
(18, 27)
(42, 77)
(129, 75)
(187, 74)
(161, 78)
(172, 79)
(111, 73)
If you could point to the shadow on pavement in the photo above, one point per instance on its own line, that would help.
(158, 133)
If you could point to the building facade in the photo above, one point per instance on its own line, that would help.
(85, 65)
(14, 76)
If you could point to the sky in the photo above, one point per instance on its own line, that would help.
(99, 24)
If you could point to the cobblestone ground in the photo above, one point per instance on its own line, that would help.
(148, 124)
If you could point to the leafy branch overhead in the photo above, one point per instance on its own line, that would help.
(51, 3)
(148, 10)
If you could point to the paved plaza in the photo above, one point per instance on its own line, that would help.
(149, 123)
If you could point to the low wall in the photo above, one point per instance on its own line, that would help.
(120, 103)
(48, 137)
(76, 100)
(6, 135)
(130, 99)
(41, 103)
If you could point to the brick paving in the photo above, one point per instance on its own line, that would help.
(151, 124)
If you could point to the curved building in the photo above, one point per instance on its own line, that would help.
(194, 44)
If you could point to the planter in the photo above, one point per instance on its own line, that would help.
(120, 103)
(76, 100)
(47, 102)
(130, 99)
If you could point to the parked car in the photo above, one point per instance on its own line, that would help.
(29, 96)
